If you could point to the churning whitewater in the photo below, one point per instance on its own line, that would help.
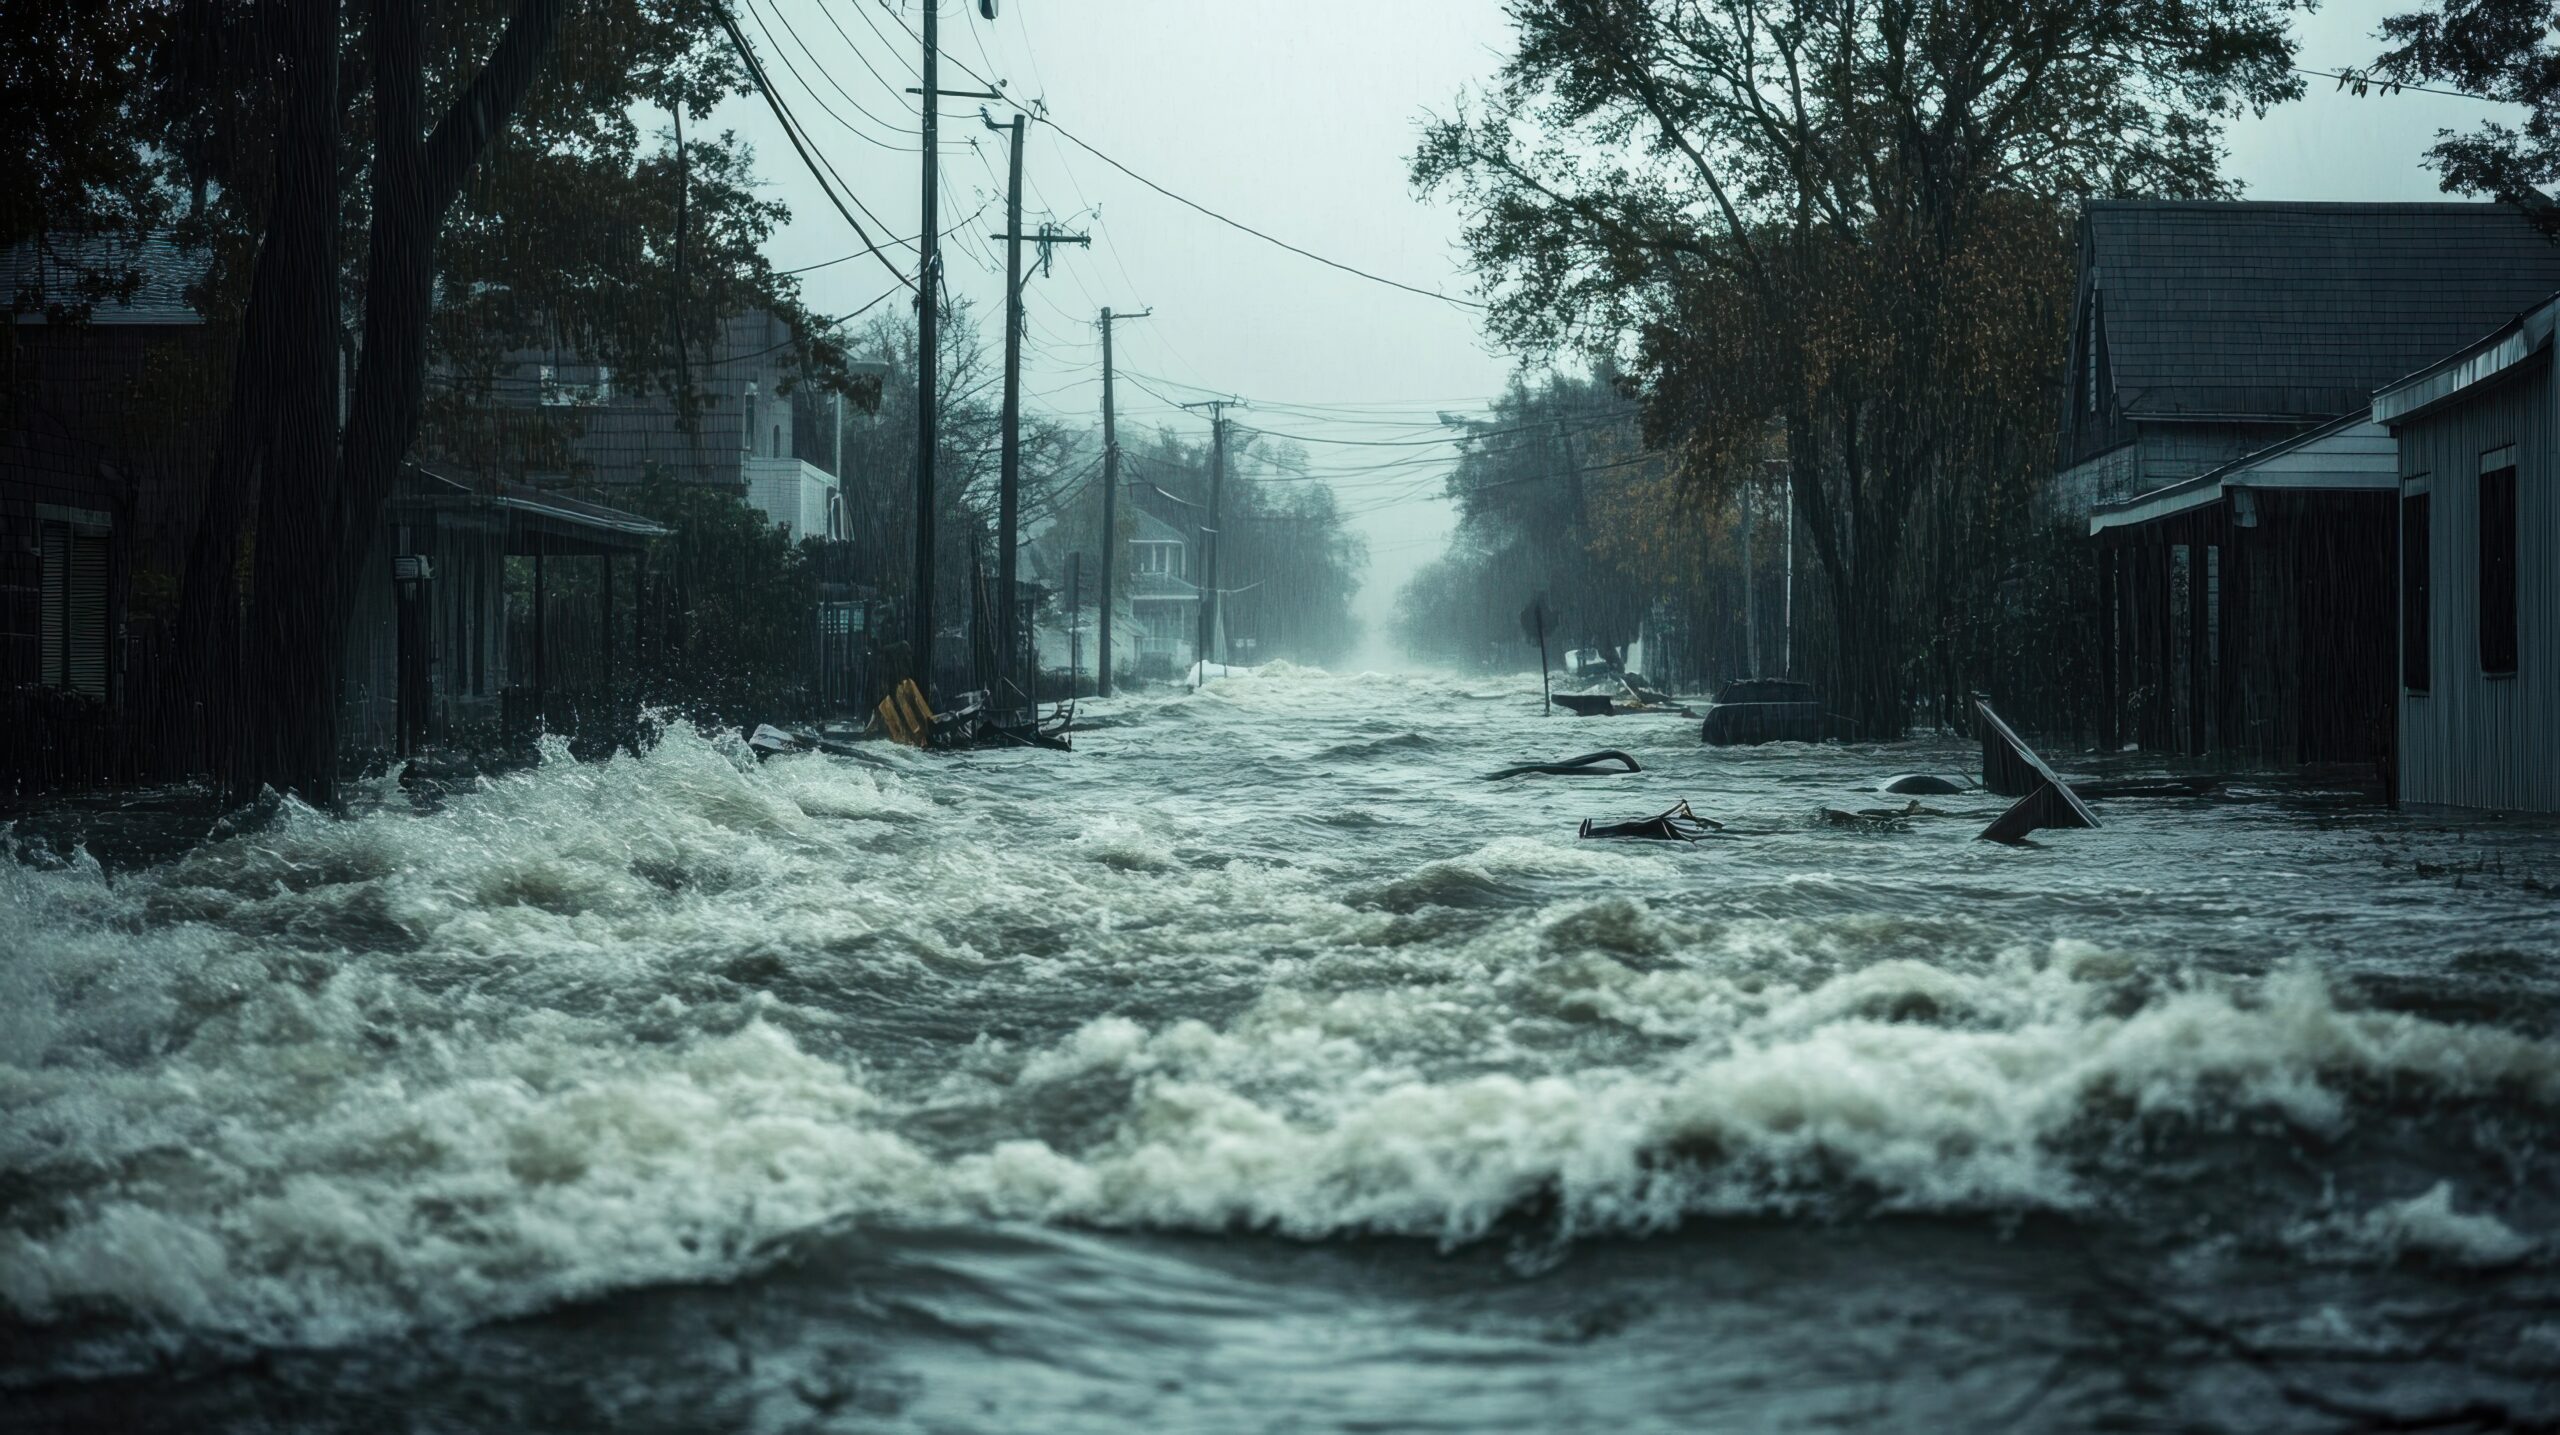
(1263, 1014)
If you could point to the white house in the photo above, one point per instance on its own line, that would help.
(1164, 606)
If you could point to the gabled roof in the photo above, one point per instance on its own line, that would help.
(2298, 311)
(1152, 529)
(38, 279)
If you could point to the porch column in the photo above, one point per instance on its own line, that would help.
(2163, 673)
(541, 613)
(2197, 578)
(2110, 634)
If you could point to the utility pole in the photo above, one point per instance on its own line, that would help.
(1009, 482)
(1213, 539)
(920, 601)
(1750, 595)
(1110, 503)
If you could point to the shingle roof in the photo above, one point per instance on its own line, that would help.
(36, 280)
(1152, 529)
(2299, 310)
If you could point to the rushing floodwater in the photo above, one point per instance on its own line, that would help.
(1258, 1067)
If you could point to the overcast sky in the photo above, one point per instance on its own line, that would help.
(1297, 117)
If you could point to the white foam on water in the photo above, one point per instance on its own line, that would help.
(335, 1078)
(2423, 1227)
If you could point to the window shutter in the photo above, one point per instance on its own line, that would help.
(55, 542)
(85, 634)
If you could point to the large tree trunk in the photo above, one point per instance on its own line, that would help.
(278, 439)
(322, 499)
(285, 364)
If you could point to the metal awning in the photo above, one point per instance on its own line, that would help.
(2521, 338)
(2349, 453)
(561, 524)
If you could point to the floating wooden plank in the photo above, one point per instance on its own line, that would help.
(2048, 803)
(2009, 767)
(2052, 805)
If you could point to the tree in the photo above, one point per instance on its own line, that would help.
(1534, 487)
(2506, 50)
(1776, 212)
(350, 236)
(75, 87)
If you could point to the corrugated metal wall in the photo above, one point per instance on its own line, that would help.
(2474, 740)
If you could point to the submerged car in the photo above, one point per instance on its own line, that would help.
(1757, 710)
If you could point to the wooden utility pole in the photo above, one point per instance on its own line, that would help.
(1750, 595)
(1110, 503)
(1009, 481)
(1209, 532)
(920, 597)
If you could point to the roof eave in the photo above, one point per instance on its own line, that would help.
(2522, 338)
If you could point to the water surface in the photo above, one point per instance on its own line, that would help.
(1257, 1066)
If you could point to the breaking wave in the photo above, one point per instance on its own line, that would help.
(586, 1028)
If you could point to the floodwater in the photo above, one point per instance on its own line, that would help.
(1258, 1067)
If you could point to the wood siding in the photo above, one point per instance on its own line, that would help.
(2473, 740)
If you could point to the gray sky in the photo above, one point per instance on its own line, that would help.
(1295, 116)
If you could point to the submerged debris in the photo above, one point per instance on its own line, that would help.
(1676, 823)
(1890, 818)
(1927, 784)
(1583, 766)
(2009, 764)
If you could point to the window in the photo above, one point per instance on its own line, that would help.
(777, 441)
(2414, 656)
(73, 621)
(2498, 561)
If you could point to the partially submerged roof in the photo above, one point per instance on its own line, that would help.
(2214, 309)
(2482, 361)
(2352, 452)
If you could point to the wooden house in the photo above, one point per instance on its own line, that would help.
(2478, 500)
(2218, 442)
(1164, 602)
(107, 416)
(450, 643)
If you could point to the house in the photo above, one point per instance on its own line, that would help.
(2478, 499)
(2247, 609)
(2218, 442)
(106, 422)
(452, 644)
(1164, 605)
(744, 436)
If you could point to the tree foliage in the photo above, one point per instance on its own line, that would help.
(2503, 49)
(1795, 220)
(1541, 489)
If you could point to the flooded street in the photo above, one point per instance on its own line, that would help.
(1258, 1066)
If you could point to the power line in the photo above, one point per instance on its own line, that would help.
(855, 130)
(1262, 235)
(1073, 138)
(790, 131)
(2368, 81)
(907, 243)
